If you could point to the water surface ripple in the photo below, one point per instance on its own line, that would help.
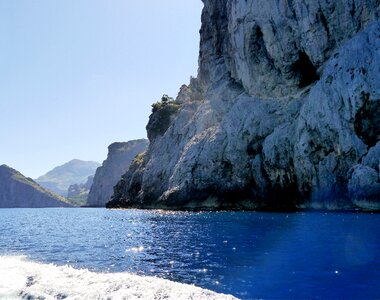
(246, 254)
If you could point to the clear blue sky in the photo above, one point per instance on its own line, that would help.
(77, 75)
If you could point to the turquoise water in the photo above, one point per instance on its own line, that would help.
(245, 254)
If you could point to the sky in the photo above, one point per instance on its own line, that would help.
(78, 75)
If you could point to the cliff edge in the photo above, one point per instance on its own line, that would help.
(284, 113)
(119, 158)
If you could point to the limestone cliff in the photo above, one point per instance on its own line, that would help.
(18, 191)
(120, 156)
(284, 113)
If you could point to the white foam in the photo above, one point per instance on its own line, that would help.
(21, 278)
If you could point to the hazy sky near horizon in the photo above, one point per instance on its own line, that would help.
(77, 75)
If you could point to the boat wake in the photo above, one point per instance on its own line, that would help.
(24, 279)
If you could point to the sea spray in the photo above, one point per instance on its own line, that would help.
(21, 278)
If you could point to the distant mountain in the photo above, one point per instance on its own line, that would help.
(16, 190)
(60, 178)
(120, 156)
(78, 193)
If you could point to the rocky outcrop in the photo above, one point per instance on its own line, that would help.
(284, 113)
(17, 191)
(78, 193)
(364, 183)
(60, 178)
(120, 156)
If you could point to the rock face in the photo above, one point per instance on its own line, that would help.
(120, 156)
(17, 191)
(60, 178)
(78, 193)
(284, 113)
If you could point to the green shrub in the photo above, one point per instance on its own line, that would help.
(165, 100)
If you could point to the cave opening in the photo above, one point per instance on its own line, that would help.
(367, 121)
(257, 49)
(305, 70)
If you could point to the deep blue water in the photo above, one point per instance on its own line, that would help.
(246, 254)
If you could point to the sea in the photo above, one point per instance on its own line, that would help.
(94, 253)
